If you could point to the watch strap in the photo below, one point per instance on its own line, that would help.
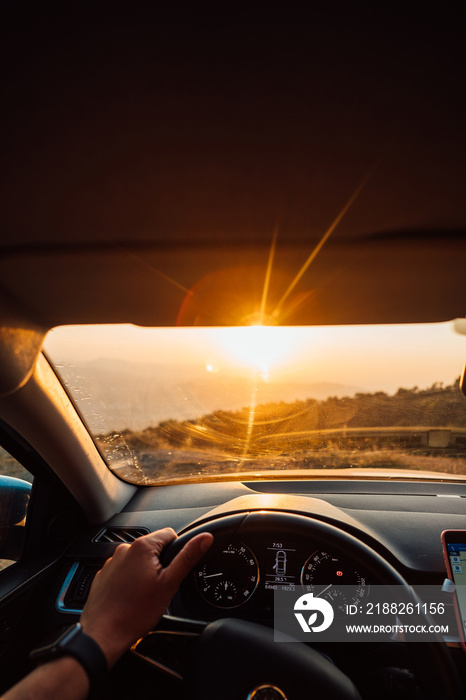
(76, 643)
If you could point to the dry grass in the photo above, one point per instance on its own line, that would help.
(159, 466)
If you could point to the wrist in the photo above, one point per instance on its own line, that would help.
(111, 643)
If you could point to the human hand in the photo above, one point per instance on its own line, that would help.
(132, 591)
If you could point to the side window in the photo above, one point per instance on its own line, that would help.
(15, 486)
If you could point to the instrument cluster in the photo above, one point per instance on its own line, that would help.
(238, 577)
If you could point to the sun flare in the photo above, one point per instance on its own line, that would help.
(259, 348)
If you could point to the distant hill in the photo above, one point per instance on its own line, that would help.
(279, 426)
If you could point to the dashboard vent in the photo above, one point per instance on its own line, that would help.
(119, 535)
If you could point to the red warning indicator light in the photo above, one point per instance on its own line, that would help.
(339, 573)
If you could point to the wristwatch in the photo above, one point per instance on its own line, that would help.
(74, 642)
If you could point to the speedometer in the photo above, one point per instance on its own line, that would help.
(229, 578)
(333, 577)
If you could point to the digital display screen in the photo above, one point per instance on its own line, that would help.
(457, 557)
(281, 567)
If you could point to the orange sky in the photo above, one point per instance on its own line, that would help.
(370, 357)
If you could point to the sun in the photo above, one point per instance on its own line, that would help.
(258, 348)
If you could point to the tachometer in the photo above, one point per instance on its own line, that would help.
(229, 578)
(335, 578)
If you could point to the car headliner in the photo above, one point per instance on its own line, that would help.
(151, 161)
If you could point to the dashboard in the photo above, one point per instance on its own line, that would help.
(267, 535)
(271, 536)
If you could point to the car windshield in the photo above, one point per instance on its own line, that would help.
(191, 404)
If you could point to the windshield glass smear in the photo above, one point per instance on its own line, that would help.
(171, 404)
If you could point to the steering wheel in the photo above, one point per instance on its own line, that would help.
(239, 660)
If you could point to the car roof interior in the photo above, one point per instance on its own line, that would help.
(153, 204)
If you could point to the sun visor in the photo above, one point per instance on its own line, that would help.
(392, 278)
